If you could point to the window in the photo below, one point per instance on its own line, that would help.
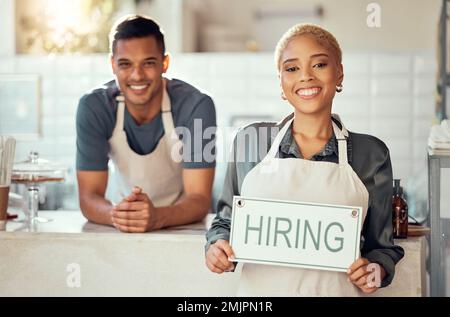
(20, 110)
(63, 26)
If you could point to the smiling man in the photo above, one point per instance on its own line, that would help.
(135, 121)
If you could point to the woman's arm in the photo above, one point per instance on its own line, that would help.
(249, 147)
(378, 243)
(220, 227)
(217, 249)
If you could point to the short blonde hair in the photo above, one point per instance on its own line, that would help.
(322, 36)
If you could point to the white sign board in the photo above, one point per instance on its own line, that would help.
(288, 233)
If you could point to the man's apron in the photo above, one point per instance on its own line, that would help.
(159, 173)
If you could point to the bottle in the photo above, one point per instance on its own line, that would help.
(399, 212)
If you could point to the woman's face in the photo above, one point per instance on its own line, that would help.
(309, 74)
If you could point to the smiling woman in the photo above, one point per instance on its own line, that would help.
(312, 159)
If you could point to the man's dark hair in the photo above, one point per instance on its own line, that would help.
(135, 26)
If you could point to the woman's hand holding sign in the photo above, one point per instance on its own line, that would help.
(365, 275)
(217, 257)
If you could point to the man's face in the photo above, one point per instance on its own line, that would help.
(138, 65)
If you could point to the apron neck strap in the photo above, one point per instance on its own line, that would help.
(165, 102)
(120, 112)
(166, 110)
(342, 143)
(278, 138)
(340, 137)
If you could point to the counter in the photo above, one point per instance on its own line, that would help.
(70, 256)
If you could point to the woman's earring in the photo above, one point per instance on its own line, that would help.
(283, 96)
(339, 88)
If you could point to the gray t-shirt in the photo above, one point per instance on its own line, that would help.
(192, 111)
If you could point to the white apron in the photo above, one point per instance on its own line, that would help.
(158, 173)
(306, 181)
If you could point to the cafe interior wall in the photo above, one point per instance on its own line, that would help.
(388, 88)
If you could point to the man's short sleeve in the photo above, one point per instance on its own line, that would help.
(92, 135)
(199, 141)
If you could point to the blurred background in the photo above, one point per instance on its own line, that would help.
(52, 52)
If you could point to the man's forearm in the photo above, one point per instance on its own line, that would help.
(191, 208)
(97, 209)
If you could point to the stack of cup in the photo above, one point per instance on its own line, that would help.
(7, 150)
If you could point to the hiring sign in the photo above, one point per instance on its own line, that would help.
(287, 233)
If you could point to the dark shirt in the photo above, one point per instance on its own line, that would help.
(367, 155)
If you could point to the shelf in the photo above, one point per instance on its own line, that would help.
(438, 223)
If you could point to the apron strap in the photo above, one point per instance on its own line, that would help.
(277, 141)
(167, 118)
(344, 130)
(342, 144)
(340, 136)
(166, 110)
(120, 113)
